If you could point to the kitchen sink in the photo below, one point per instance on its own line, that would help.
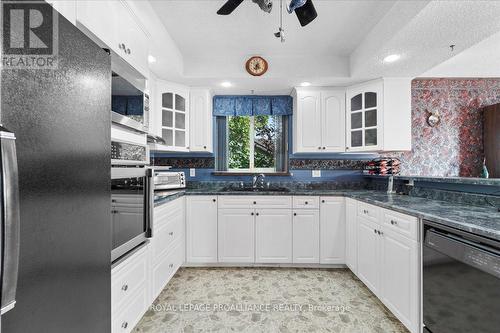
(258, 189)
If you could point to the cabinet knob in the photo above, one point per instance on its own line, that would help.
(324, 148)
(125, 287)
(346, 148)
(257, 214)
(214, 200)
(171, 265)
(375, 231)
(294, 214)
(125, 324)
(251, 213)
(204, 147)
(128, 51)
(255, 202)
(322, 201)
(171, 233)
(394, 222)
(306, 202)
(319, 148)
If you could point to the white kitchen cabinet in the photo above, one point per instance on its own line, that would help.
(399, 277)
(171, 111)
(379, 115)
(351, 258)
(201, 121)
(319, 120)
(130, 290)
(273, 236)
(115, 26)
(167, 244)
(201, 229)
(369, 254)
(332, 230)
(306, 236)
(236, 235)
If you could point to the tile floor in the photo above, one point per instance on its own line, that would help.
(267, 300)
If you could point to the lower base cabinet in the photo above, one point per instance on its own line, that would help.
(369, 254)
(306, 236)
(236, 235)
(201, 229)
(399, 278)
(273, 236)
(351, 226)
(388, 261)
(332, 230)
(130, 290)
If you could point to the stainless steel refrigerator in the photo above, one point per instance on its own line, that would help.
(61, 122)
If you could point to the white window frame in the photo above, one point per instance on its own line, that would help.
(252, 168)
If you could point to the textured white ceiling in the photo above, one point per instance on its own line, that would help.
(345, 44)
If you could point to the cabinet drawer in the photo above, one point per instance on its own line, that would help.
(255, 201)
(163, 214)
(166, 268)
(369, 212)
(401, 223)
(124, 320)
(128, 277)
(166, 236)
(305, 202)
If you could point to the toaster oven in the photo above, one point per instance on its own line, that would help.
(167, 180)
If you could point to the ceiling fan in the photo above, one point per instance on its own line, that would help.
(304, 9)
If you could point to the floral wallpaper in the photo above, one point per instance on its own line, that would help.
(455, 146)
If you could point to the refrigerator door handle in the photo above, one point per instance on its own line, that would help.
(10, 219)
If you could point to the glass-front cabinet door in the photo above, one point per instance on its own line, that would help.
(174, 120)
(363, 110)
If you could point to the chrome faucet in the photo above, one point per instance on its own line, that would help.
(256, 179)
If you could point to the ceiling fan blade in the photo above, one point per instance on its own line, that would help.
(229, 7)
(307, 13)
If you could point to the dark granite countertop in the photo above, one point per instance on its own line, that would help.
(483, 221)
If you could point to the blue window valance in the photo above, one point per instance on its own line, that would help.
(252, 105)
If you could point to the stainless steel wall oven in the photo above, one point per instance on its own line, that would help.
(130, 213)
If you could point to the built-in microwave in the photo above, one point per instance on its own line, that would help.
(129, 99)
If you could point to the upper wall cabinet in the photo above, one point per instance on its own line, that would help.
(115, 25)
(379, 116)
(171, 113)
(201, 123)
(319, 121)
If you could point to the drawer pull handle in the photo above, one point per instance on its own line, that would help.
(125, 287)
(171, 233)
(171, 265)
(394, 222)
(375, 231)
(125, 324)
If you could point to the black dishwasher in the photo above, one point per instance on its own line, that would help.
(461, 281)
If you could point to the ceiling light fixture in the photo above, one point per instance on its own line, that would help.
(151, 59)
(305, 84)
(392, 58)
(226, 84)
